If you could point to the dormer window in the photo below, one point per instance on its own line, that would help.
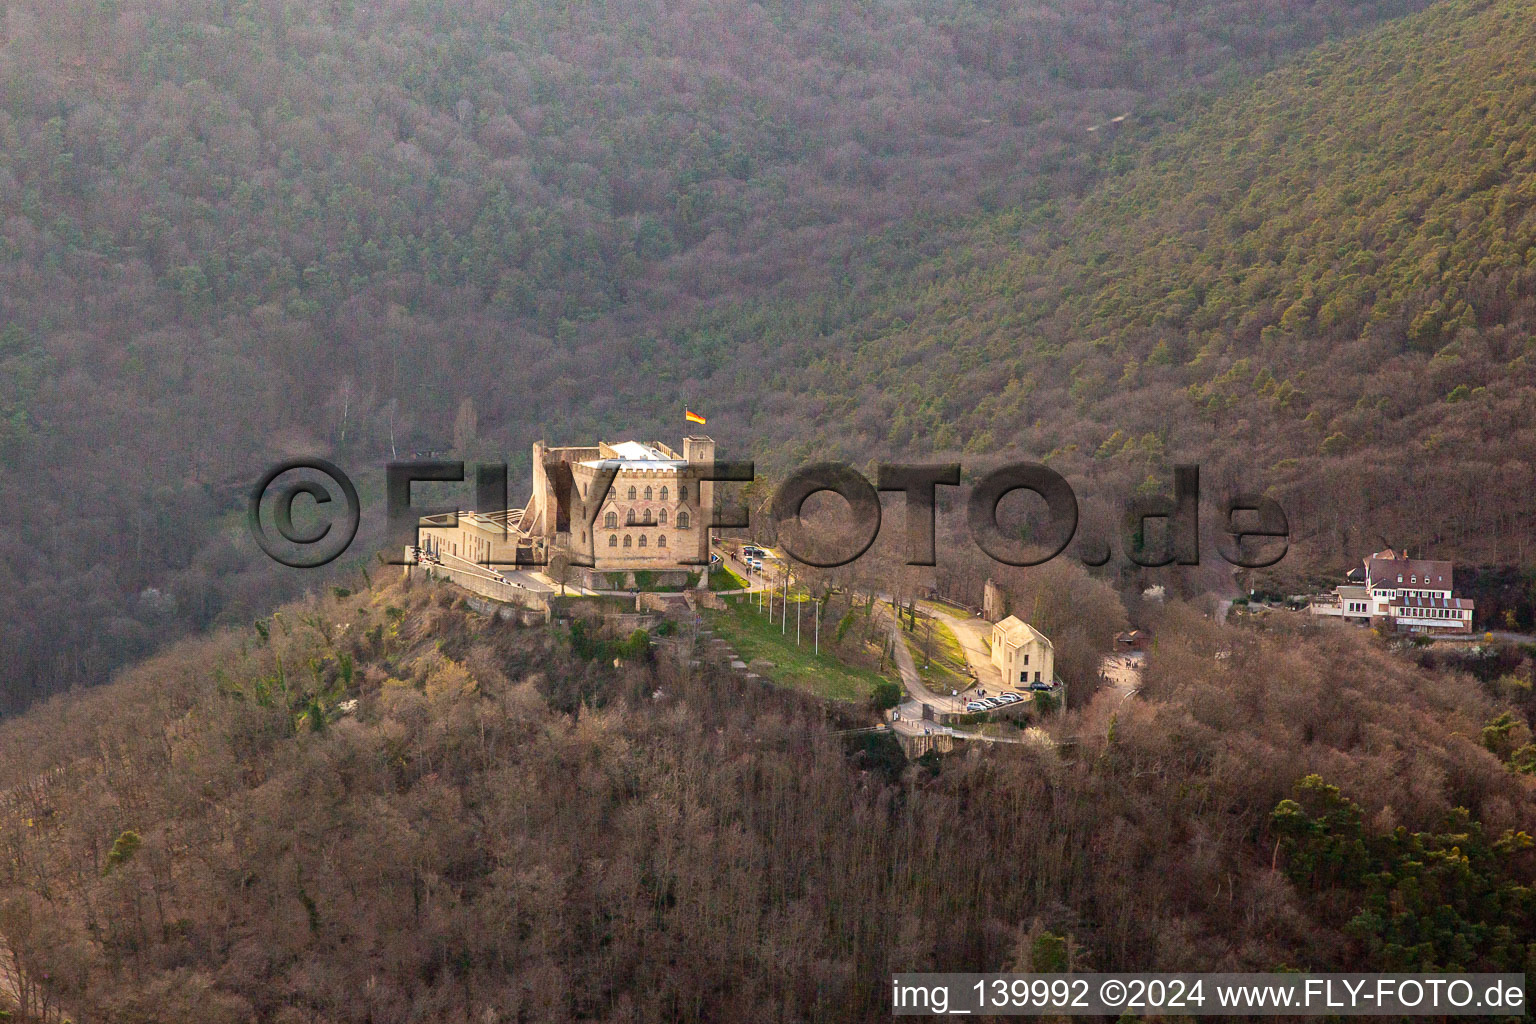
(611, 520)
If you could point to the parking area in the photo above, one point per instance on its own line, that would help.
(995, 702)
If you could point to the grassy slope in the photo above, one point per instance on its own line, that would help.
(947, 667)
(753, 636)
(723, 577)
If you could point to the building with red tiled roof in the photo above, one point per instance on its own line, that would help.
(1422, 577)
(1412, 595)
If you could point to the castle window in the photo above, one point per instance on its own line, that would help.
(682, 520)
(662, 517)
(613, 541)
(629, 517)
(663, 494)
(661, 541)
(611, 520)
(631, 493)
(627, 541)
(682, 492)
(642, 540)
(647, 492)
(647, 517)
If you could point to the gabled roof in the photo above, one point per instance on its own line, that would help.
(1384, 569)
(1017, 631)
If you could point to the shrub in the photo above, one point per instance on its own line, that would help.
(886, 695)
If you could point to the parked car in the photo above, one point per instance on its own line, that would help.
(1042, 687)
(749, 552)
(1009, 698)
(993, 702)
(976, 705)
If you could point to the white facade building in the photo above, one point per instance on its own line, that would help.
(1023, 654)
(1414, 595)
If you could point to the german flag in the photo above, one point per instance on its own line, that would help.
(691, 416)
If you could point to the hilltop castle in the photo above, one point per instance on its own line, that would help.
(650, 518)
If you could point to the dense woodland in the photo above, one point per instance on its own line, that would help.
(236, 230)
(509, 826)
(1321, 284)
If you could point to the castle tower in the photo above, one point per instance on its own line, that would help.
(540, 515)
(700, 451)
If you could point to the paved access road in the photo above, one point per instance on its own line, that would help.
(971, 631)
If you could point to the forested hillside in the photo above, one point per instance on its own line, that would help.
(1324, 284)
(384, 807)
(232, 230)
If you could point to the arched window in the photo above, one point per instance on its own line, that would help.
(663, 494)
(627, 541)
(662, 517)
(642, 540)
(611, 520)
(629, 518)
(631, 493)
(613, 541)
(661, 541)
(647, 492)
(682, 492)
(647, 516)
(682, 520)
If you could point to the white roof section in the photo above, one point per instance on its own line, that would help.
(1017, 631)
(635, 455)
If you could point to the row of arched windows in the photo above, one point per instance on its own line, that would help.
(682, 493)
(613, 541)
(611, 520)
